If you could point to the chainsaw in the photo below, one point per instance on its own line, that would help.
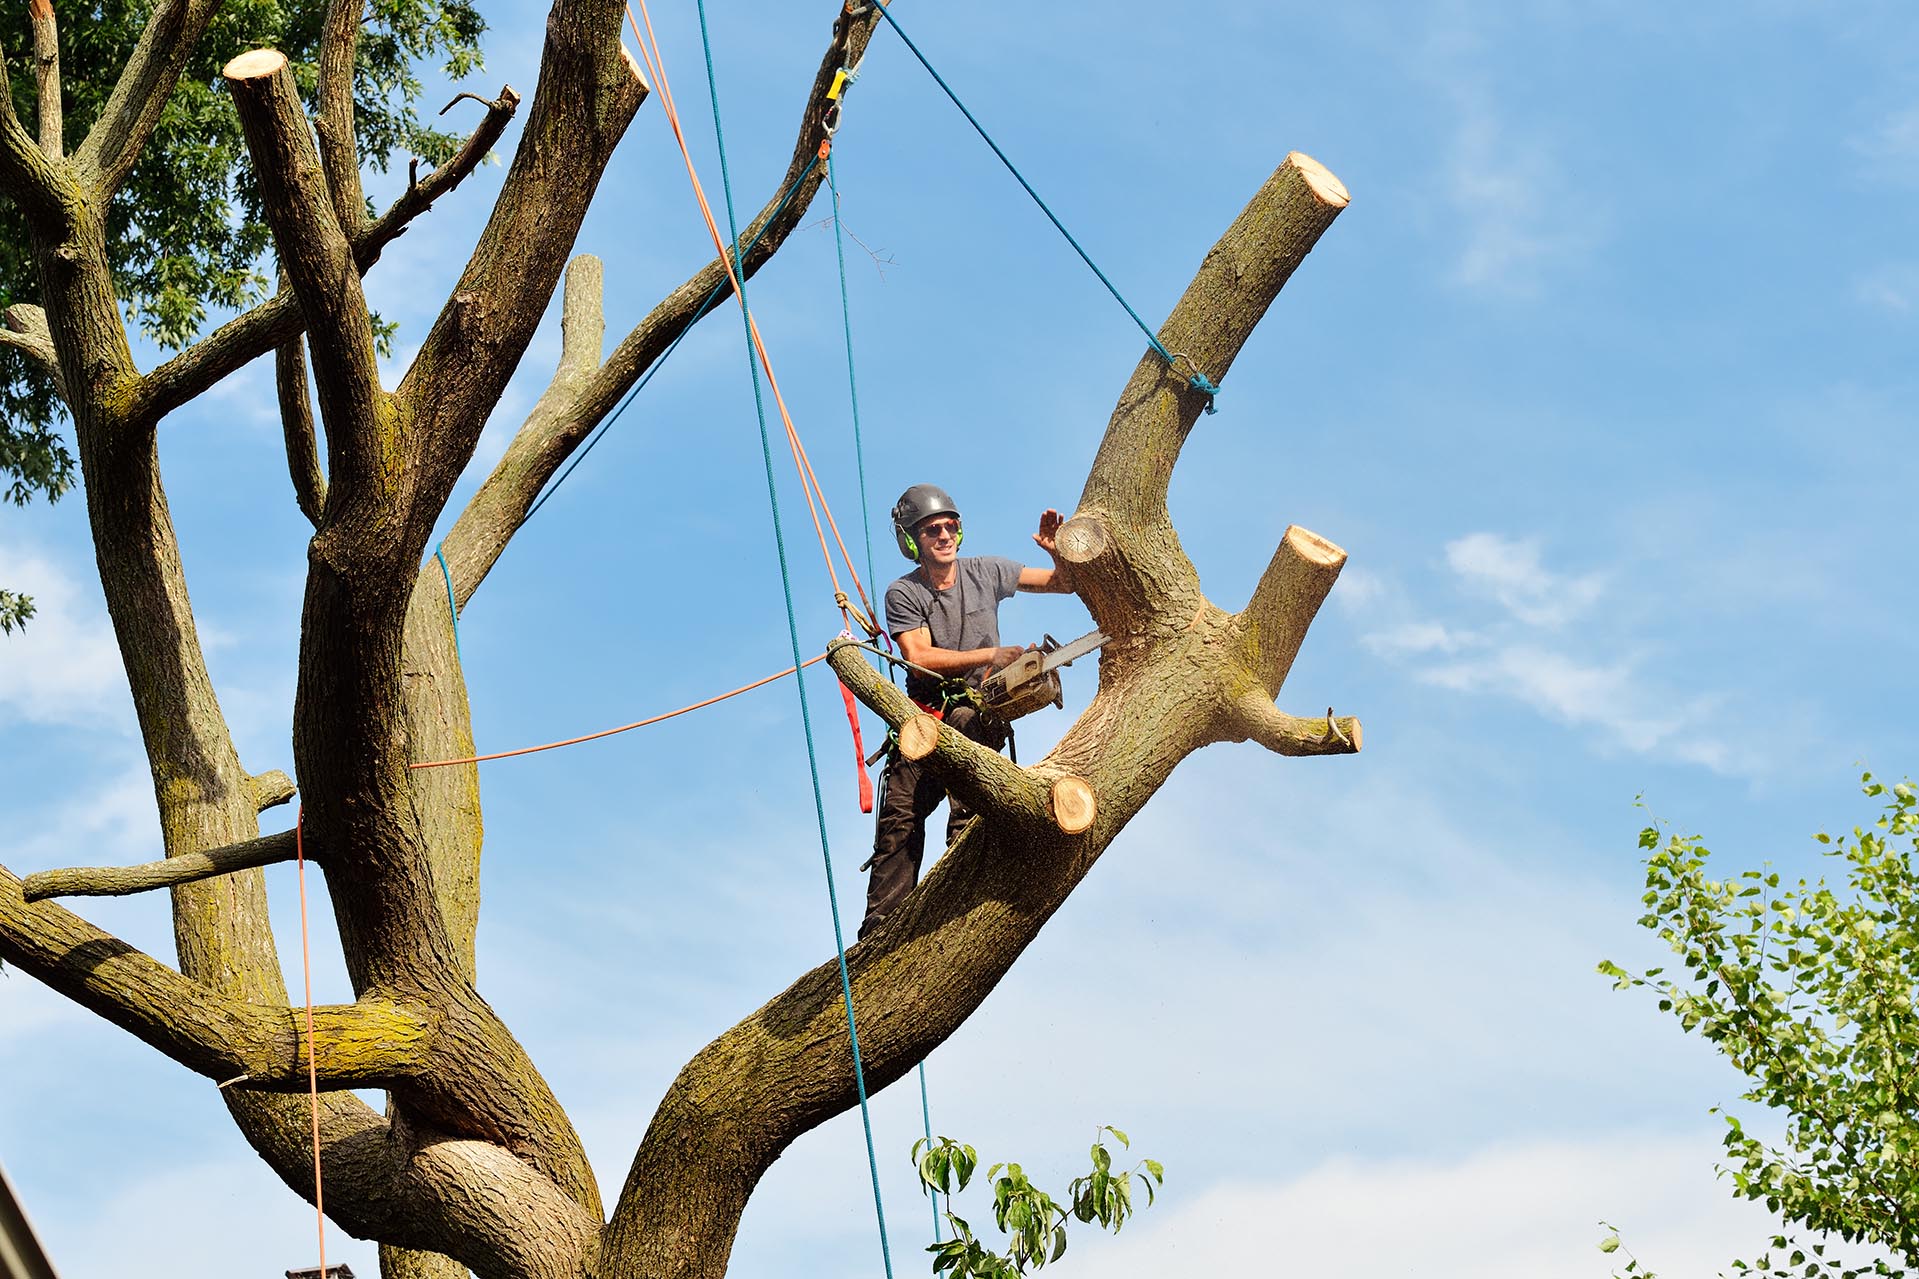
(1032, 680)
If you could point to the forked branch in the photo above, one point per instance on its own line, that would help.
(420, 193)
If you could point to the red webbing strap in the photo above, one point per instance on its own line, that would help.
(859, 749)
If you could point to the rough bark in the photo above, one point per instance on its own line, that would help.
(46, 72)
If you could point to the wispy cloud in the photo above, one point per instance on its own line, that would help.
(1590, 677)
(1892, 286)
(1511, 572)
(1890, 151)
(64, 667)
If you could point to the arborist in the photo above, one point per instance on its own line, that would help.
(944, 615)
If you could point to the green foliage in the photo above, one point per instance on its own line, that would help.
(1032, 1220)
(14, 611)
(185, 234)
(1811, 993)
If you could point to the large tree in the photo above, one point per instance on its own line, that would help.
(474, 1163)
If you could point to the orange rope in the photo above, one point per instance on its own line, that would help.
(608, 732)
(809, 483)
(313, 1070)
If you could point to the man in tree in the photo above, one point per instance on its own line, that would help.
(945, 616)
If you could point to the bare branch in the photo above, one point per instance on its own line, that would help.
(271, 789)
(567, 415)
(314, 252)
(365, 1045)
(1239, 279)
(1284, 603)
(115, 141)
(986, 780)
(296, 424)
(333, 117)
(25, 330)
(46, 70)
(187, 868)
(420, 195)
(1258, 720)
(27, 175)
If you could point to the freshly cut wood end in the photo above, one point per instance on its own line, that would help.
(39, 10)
(919, 735)
(633, 67)
(1074, 806)
(254, 63)
(1358, 736)
(1081, 540)
(1330, 190)
(1312, 547)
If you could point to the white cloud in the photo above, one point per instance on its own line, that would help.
(1511, 573)
(1417, 637)
(1891, 151)
(119, 822)
(1520, 1211)
(1893, 286)
(1516, 216)
(64, 666)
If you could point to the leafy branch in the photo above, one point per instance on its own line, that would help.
(1033, 1221)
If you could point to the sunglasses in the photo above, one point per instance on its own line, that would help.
(939, 528)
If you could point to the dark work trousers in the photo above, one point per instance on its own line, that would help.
(908, 794)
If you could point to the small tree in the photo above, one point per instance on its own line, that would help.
(1813, 993)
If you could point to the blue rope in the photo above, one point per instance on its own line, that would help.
(705, 309)
(439, 553)
(793, 635)
(1199, 381)
(866, 523)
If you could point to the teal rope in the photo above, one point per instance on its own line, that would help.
(793, 635)
(705, 309)
(866, 523)
(1199, 381)
(439, 553)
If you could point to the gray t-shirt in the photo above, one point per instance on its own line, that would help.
(964, 615)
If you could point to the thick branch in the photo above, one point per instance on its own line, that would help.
(27, 175)
(187, 868)
(986, 780)
(567, 415)
(26, 331)
(314, 252)
(1288, 596)
(333, 117)
(113, 145)
(1257, 719)
(271, 789)
(1239, 279)
(420, 195)
(296, 424)
(46, 70)
(356, 1046)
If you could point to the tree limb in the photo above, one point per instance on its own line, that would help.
(1239, 279)
(333, 114)
(114, 143)
(187, 868)
(1290, 591)
(271, 789)
(317, 258)
(1260, 721)
(363, 1045)
(27, 175)
(253, 333)
(988, 782)
(420, 194)
(46, 68)
(573, 406)
(25, 330)
(296, 424)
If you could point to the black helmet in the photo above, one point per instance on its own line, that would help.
(921, 502)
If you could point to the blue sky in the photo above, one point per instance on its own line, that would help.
(1605, 383)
